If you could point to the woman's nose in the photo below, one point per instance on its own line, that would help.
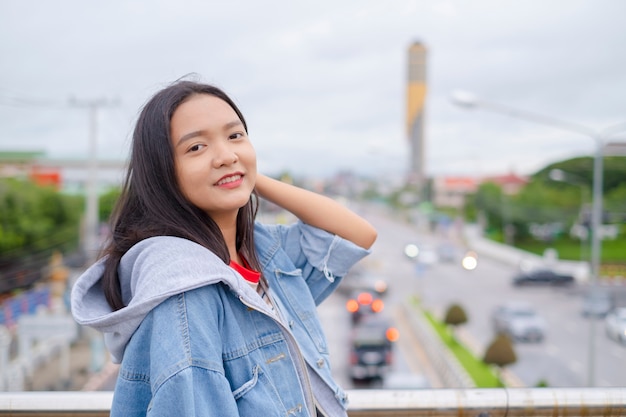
(225, 156)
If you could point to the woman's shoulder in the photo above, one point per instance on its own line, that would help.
(168, 247)
(173, 242)
(173, 263)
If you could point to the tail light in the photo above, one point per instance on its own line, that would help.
(352, 306)
(365, 298)
(378, 305)
(392, 334)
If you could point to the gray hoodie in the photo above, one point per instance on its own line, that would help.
(150, 272)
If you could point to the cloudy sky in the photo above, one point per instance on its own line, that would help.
(322, 84)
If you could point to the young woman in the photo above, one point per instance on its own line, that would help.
(209, 312)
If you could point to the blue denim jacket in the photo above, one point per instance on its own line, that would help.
(196, 340)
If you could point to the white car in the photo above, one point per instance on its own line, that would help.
(615, 324)
(519, 321)
(424, 254)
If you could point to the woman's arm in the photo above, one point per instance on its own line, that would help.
(317, 210)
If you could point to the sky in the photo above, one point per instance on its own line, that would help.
(322, 84)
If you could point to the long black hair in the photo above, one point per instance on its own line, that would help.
(151, 202)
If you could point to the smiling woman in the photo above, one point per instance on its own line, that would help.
(214, 158)
(209, 312)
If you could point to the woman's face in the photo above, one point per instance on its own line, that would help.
(215, 161)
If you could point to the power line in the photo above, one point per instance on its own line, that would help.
(16, 101)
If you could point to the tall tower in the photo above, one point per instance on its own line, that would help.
(416, 97)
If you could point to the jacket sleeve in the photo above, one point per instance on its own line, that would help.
(194, 392)
(323, 257)
(176, 354)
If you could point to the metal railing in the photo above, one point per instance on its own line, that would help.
(492, 402)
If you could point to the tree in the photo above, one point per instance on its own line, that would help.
(35, 218)
(455, 316)
(35, 221)
(500, 352)
(107, 202)
(543, 200)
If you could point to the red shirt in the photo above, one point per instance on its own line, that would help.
(245, 271)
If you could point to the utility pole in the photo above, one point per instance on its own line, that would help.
(90, 225)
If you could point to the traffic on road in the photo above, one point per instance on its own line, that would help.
(564, 348)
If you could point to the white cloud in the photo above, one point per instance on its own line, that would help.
(320, 82)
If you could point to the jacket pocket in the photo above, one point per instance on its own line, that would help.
(242, 390)
(260, 397)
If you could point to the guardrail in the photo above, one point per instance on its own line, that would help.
(496, 402)
(443, 361)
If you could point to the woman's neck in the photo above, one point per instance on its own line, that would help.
(229, 232)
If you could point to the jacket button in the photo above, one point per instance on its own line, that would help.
(320, 363)
(291, 324)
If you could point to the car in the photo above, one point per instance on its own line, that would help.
(520, 321)
(427, 255)
(469, 261)
(363, 281)
(371, 348)
(422, 253)
(615, 325)
(448, 252)
(362, 303)
(542, 277)
(597, 302)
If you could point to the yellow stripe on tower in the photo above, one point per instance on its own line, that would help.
(416, 96)
(416, 84)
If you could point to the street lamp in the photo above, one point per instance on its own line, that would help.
(561, 176)
(470, 101)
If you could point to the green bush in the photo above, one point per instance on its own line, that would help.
(500, 352)
(455, 315)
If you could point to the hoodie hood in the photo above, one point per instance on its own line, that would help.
(150, 272)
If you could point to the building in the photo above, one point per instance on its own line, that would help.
(68, 175)
(510, 183)
(451, 191)
(24, 164)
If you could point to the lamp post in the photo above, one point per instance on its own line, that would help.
(561, 176)
(470, 101)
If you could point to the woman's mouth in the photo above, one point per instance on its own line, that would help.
(230, 181)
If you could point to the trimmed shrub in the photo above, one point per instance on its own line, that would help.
(455, 315)
(500, 352)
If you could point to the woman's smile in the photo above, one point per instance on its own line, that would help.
(230, 181)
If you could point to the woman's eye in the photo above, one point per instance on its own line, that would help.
(236, 135)
(196, 148)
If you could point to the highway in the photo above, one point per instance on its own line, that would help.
(561, 360)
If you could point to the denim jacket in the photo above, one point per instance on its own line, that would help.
(196, 340)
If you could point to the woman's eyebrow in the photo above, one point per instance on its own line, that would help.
(195, 133)
(189, 135)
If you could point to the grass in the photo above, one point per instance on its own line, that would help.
(613, 251)
(481, 373)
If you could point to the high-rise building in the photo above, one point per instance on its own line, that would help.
(416, 98)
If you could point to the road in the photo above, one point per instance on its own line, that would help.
(562, 360)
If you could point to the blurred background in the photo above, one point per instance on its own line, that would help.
(485, 141)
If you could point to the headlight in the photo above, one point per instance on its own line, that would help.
(411, 250)
(470, 260)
